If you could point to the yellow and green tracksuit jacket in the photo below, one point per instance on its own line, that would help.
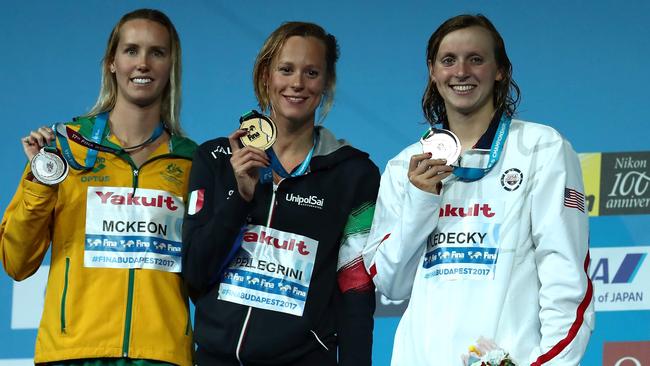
(99, 312)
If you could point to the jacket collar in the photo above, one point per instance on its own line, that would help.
(331, 151)
(485, 141)
(179, 146)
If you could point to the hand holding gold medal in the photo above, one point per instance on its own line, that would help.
(261, 131)
(256, 133)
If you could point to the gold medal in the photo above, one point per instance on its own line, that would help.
(261, 131)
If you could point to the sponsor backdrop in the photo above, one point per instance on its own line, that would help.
(581, 67)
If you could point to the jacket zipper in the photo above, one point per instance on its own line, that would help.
(241, 335)
(319, 341)
(129, 297)
(129, 294)
(129, 310)
(65, 293)
(248, 313)
(272, 206)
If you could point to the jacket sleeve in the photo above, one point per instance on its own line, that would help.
(404, 217)
(560, 229)
(215, 216)
(26, 228)
(357, 306)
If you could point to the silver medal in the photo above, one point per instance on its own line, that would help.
(442, 144)
(49, 168)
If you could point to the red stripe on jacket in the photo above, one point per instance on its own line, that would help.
(373, 268)
(575, 327)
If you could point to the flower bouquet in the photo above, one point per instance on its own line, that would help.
(486, 353)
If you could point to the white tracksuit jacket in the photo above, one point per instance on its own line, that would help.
(504, 257)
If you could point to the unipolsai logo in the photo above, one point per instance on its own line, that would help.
(312, 201)
(625, 183)
(621, 278)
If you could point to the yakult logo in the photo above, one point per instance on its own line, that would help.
(476, 210)
(286, 244)
(311, 201)
(134, 200)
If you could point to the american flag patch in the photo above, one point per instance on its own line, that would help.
(574, 199)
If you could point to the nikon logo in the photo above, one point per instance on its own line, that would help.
(311, 201)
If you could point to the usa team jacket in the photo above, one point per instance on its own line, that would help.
(281, 280)
(504, 257)
(100, 312)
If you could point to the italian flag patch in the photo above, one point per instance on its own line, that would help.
(195, 203)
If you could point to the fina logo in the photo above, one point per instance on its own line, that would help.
(311, 201)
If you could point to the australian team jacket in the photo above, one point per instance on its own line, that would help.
(100, 312)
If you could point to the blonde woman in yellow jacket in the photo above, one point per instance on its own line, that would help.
(114, 294)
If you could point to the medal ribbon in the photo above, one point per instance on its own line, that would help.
(473, 174)
(266, 174)
(66, 133)
(251, 114)
(51, 146)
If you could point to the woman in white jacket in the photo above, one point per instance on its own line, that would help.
(491, 244)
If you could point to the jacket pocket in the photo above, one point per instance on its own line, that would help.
(64, 295)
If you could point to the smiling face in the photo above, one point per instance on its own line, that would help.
(465, 71)
(142, 62)
(296, 80)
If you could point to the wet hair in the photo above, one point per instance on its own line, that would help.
(171, 98)
(271, 49)
(506, 91)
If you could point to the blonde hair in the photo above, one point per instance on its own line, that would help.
(272, 47)
(171, 101)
